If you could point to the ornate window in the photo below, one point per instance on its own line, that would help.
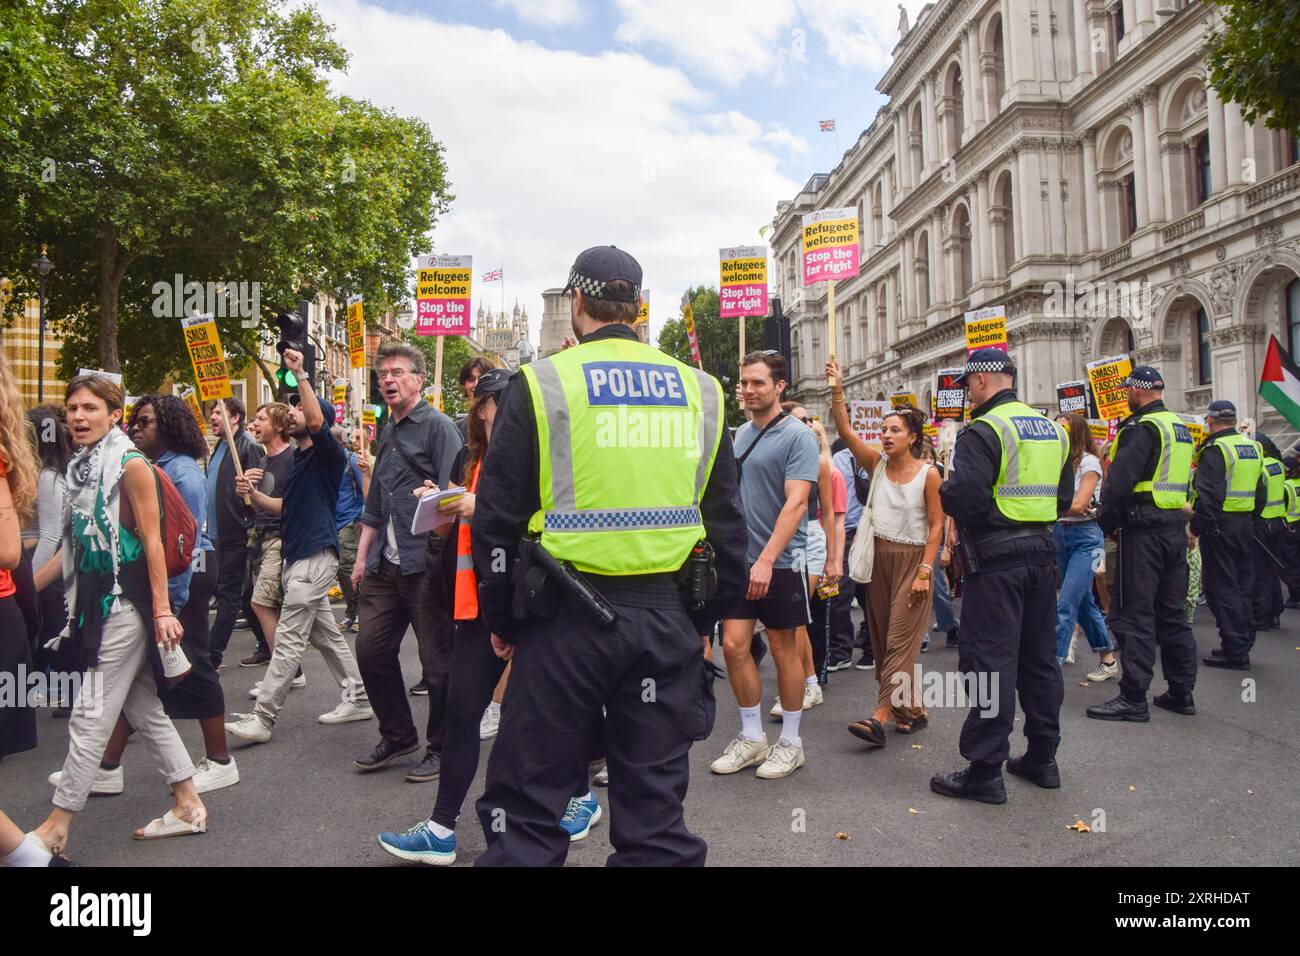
(1293, 317)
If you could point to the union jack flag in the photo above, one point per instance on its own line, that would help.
(828, 126)
(494, 276)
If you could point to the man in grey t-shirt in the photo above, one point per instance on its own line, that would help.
(778, 458)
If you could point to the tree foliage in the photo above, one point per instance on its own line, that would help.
(719, 341)
(1254, 60)
(199, 138)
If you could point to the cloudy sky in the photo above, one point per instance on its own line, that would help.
(669, 128)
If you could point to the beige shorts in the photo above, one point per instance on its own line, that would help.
(268, 590)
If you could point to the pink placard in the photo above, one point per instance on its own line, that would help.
(443, 285)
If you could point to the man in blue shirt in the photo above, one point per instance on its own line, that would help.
(310, 547)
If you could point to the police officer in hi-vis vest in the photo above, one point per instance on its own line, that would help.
(1228, 492)
(1143, 504)
(1291, 539)
(1010, 479)
(609, 465)
(1270, 531)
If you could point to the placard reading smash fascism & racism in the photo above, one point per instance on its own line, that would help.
(1106, 376)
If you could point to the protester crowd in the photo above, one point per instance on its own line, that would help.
(132, 548)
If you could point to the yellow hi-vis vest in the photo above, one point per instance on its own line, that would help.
(1292, 500)
(1034, 450)
(1275, 477)
(1171, 483)
(1242, 463)
(627, 437)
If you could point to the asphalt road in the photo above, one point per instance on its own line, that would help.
(1220, 788)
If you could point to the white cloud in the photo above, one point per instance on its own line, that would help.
(549, 13)
(550, 152)
(730, 40)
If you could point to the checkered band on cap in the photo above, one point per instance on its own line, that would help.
(988, 367)
(593, 287)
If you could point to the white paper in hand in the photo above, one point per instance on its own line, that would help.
(427, 516)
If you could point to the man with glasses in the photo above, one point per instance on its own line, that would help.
(403, 584)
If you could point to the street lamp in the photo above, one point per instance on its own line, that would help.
(43, 267)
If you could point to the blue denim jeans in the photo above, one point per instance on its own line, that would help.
(943, 615)
(1077, 548)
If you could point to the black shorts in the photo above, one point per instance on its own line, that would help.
(784, 607)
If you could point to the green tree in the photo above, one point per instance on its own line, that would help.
(199, 138)
(1254, 61)
(719, 341)
(456, 352)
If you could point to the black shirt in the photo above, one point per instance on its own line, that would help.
(1133, 460)
(509, 494)
(967, 494)
(276, 473)
(311, 493)
(1211, 481)
(233, 517)
(430, 442)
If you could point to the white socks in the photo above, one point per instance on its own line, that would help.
(31, 852)
(810, 681)
(751, 724)
(790, 726)
(440, 831)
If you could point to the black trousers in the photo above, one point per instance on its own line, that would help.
(1148, 608)
(233, 593)
(1290, 556)
(819, 632)
(389, 603)
(1267, 594)
(840, 613)
(1228, 578)
(648, 672)
(1008, 634)
(198, 696)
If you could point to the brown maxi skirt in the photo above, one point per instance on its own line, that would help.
(896, 629)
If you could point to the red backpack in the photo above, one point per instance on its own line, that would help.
(179, 531)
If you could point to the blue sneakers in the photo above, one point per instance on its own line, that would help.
(420, 845)
(580, 817)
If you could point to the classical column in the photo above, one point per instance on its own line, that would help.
(1145, 17)
(887, 199)
(997, 222)
(972, 77)
(1055, 173)
(1105, 209)
(1091, 201)
(1030, 200)
(930, 139)
(1218, 140)
(870, 346)
(908, 279)
(1155, 181)
(1235, 132)
(1140, 167)
(939, 257)
(1016, 214)
(1083, 65)
(869, 211)
(888, 307)
(902, 152)
(1016, 48)
(989, 83)
(979, 231)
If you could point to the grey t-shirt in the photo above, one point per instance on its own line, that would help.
(788, 452)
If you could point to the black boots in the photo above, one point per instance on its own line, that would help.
(982, 784)
(1044, 773)
(1121, 708)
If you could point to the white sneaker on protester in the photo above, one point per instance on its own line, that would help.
(299, 682)
(108, 783)
(783, 759)
(740, 753)
(490, 724)
(777, 709)
(812, 696)
(210, 775)
(1104, 671)
(248, 727)
(346, 712)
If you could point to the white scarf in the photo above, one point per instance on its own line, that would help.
(93, 470)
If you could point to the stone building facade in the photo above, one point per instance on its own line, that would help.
(1069, 162)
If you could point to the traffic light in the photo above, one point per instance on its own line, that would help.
(295, 333)
(376, 398)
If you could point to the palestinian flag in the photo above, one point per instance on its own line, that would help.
(1280, 383)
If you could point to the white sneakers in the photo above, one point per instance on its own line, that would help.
(783, 759)
(1104, 671)
(210, 775)
(347, 712)
(491, 722)
(298, 682)
(108, 783)
(248, 727)
(740, 753)
(812, 696)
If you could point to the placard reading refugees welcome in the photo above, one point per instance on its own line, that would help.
(443, 286)
(742, 286)
(830, 245)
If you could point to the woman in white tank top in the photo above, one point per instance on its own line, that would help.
(907, 521)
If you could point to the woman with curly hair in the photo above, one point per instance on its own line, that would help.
(17, 505)
(907, 522)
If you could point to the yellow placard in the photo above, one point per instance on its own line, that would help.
(356, 333)
(830, 245)
(191, 399)
(1106, 376)
(902, 398)
(643, 313)
(1100, 431)
(1196, 425)
(204, 347)
(986, 328)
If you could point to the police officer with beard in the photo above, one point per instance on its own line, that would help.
(1142, 504)
(1010, 479)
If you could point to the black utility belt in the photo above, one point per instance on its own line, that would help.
(1141, 517)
